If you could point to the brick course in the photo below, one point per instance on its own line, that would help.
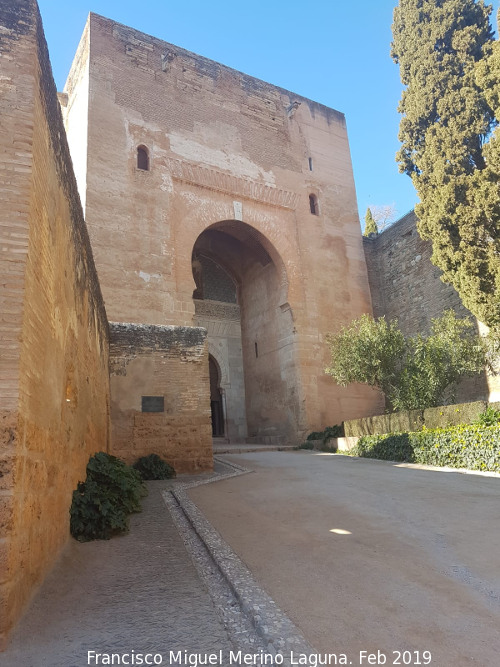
(171, 362)
(54, 332)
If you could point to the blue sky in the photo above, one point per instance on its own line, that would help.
(331, 51)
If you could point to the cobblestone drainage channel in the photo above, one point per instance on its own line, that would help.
(254, 622)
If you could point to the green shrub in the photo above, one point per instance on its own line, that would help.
(315, 435)
(308, 444)
(324, 437)
(489, 417)
(101, 504)
(336, 431)
(472, 446)
(153, 467)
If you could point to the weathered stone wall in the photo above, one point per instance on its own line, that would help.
(443, 416)
(406, 286)
(223, 325)
(54, 334)
(161, 361)
(224, 149)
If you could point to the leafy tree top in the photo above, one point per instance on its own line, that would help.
(370, 224)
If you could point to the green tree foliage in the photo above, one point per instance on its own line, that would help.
(414, 372)
(450, 66)
(370, 224)
(367, 351)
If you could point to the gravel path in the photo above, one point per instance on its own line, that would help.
(366, 555)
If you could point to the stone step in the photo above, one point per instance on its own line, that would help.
(266, 440)
(220, 441)
(242, 448)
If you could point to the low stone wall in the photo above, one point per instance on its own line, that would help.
(160, 395)
(414, 420)
(346, 444)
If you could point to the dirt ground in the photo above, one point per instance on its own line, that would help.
(414, 566)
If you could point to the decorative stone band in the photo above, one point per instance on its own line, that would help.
(233, 185)
(217, 309)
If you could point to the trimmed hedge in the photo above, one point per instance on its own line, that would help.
(473, 447)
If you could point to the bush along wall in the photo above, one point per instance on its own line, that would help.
(102, 504)
(324, 441)
(474, 447)
(153, 467)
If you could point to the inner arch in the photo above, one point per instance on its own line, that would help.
(241, 286)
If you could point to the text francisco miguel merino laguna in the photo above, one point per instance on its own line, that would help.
(217, 658)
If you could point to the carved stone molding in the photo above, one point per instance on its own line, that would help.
(216, 310)
(219, 328)
(223, 365)
(233, 185)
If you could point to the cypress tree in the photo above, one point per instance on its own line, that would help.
(449, 64)
(370, 224)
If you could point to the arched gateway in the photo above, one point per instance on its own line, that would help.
(240, 298)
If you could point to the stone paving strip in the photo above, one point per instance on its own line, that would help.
(134, 594)
(275, 633)
(141, 593)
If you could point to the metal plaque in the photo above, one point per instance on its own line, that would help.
(153, 404)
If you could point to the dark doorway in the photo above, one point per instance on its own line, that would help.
(216, 400)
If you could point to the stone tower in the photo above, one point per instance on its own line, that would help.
(219, 201)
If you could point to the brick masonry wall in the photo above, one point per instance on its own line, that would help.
(406, 286)
(166, 361)
(55, 385)
(225, 149)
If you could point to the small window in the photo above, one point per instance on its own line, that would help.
(256, 351)
(310, 164)
(142, 158)
(313, 204)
